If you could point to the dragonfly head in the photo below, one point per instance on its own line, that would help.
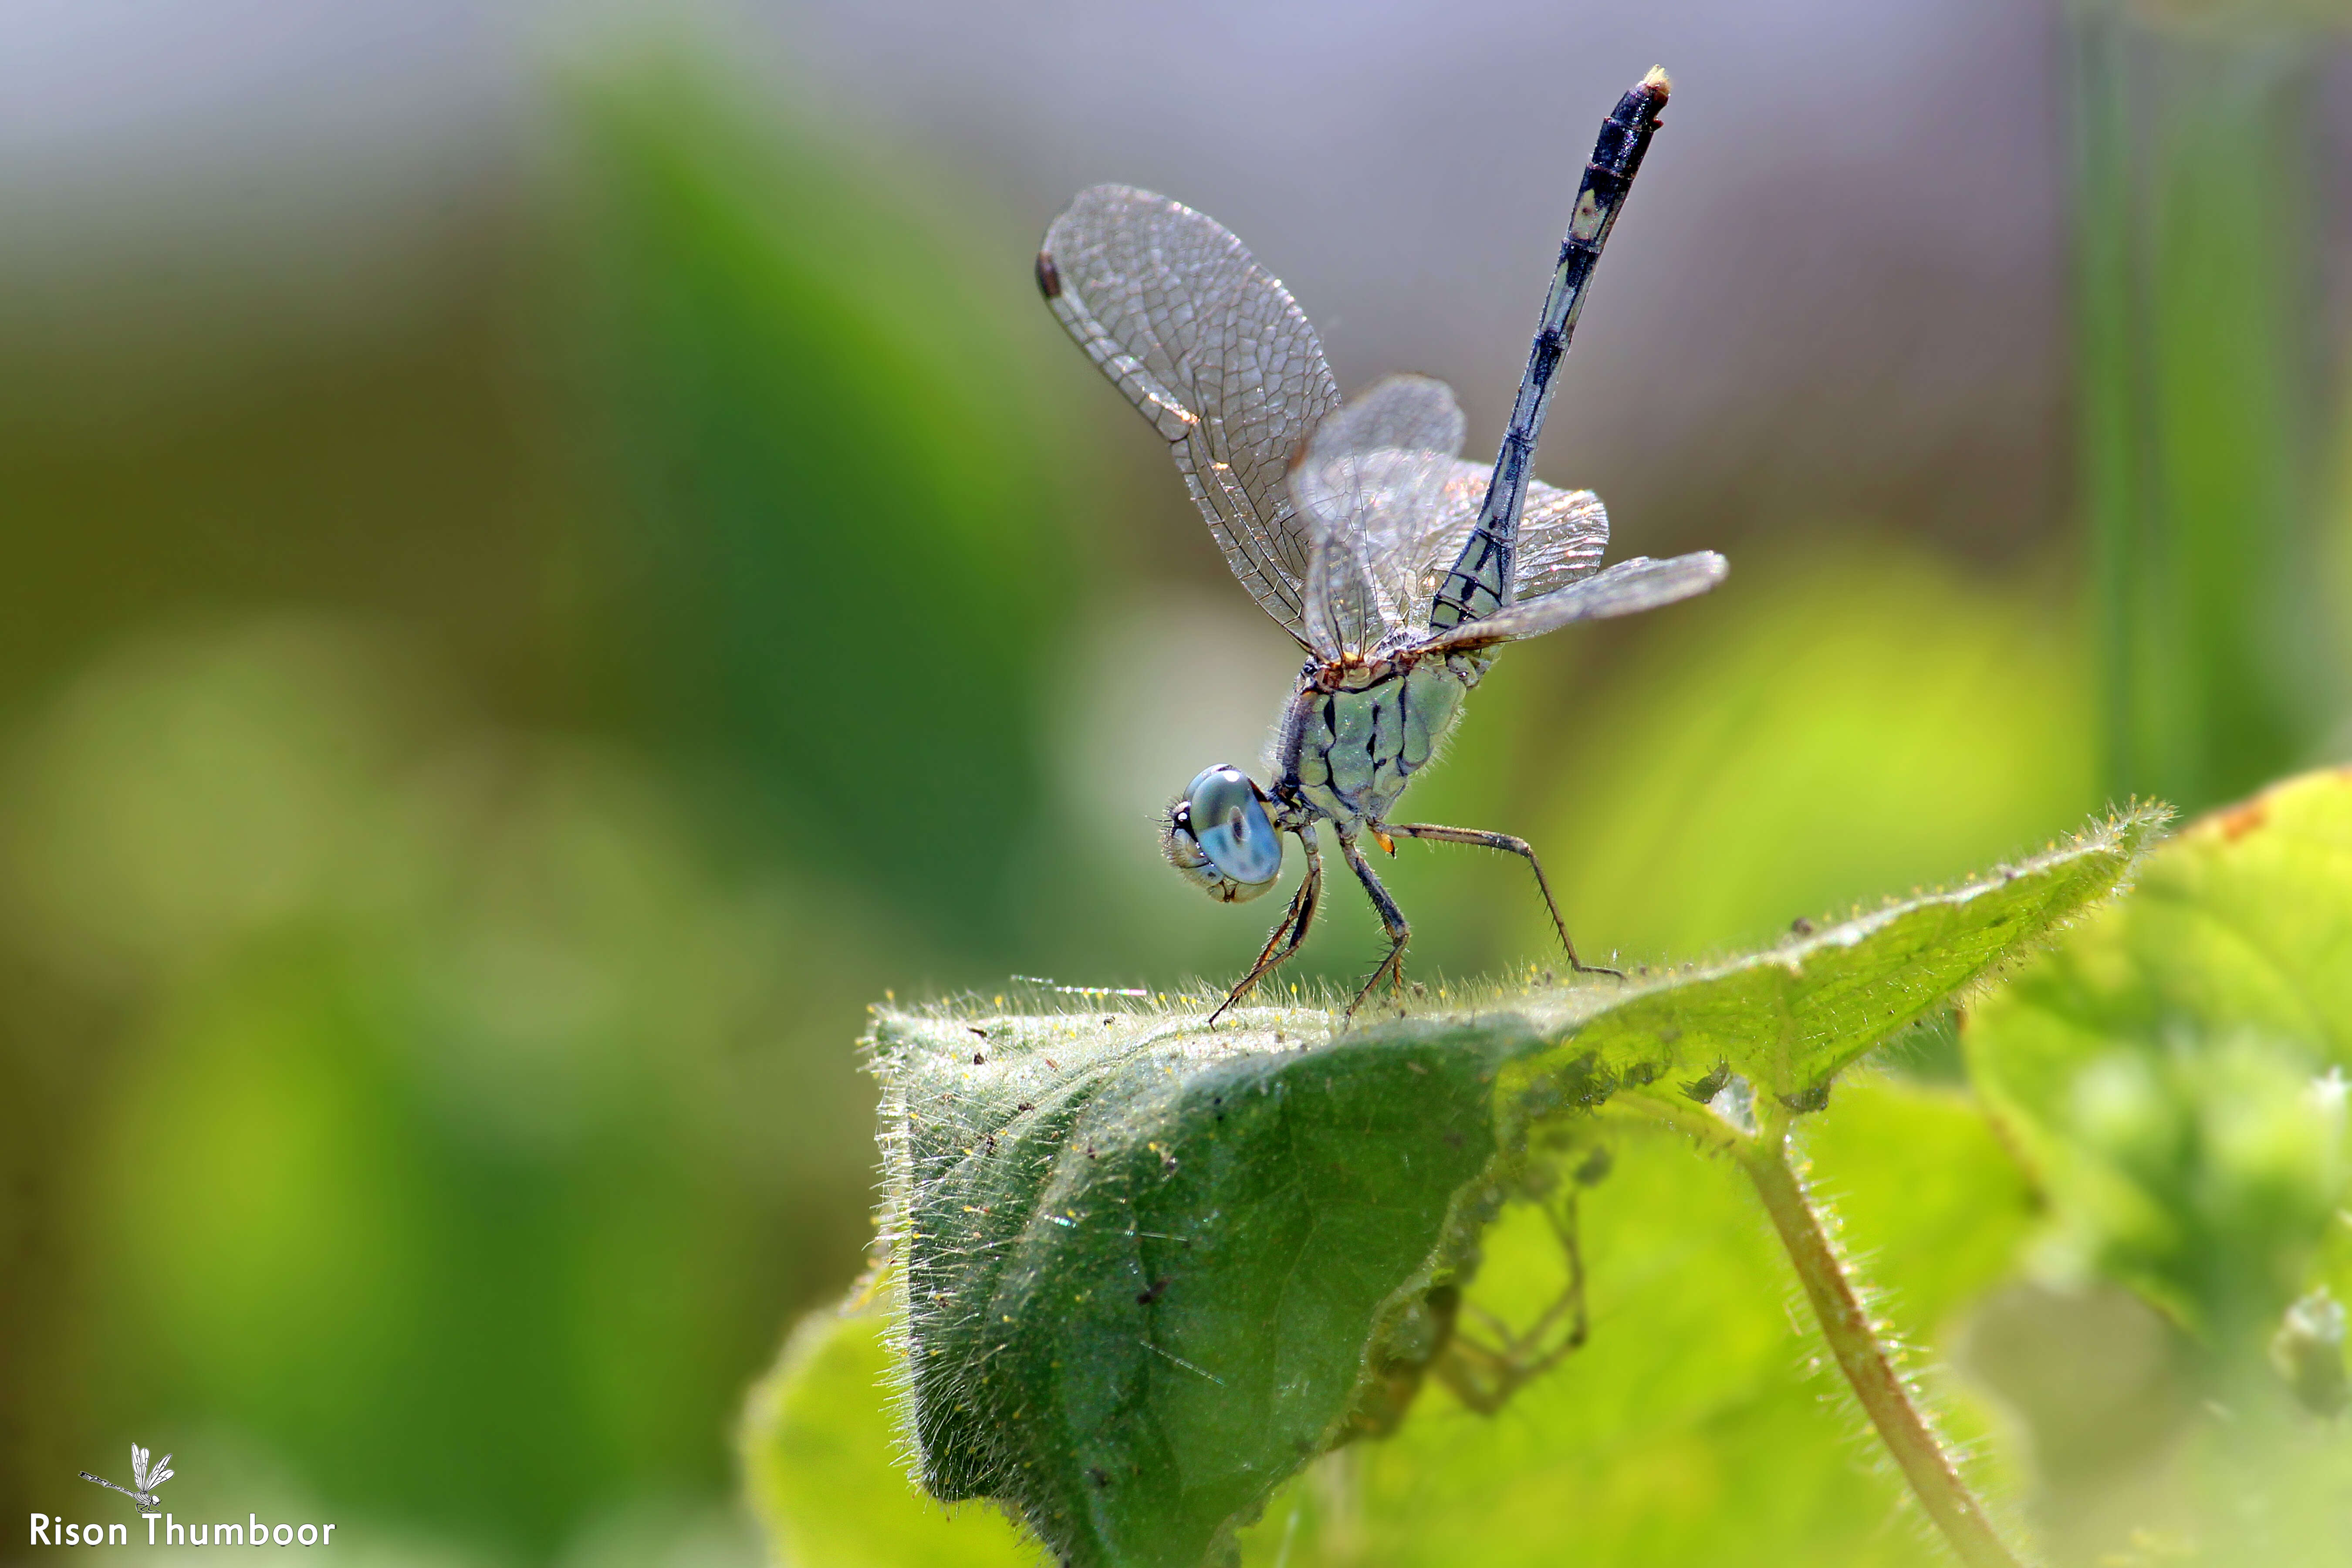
(1219, 837)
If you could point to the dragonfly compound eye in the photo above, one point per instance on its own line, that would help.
(1220, 836)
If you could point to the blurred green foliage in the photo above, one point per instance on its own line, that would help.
(846, 551)
(1843, 712)
(2200, 401)
(428, 1072)
(2175, 1074)
(455, 1069)
(2175, 1078)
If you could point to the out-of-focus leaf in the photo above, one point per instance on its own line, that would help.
(2174, 1074)
(457, 1102)
(2164, 1067)
(824, 1463)
(2195, 253)
(845, 545)
(1149, 1269)
(1837, 720)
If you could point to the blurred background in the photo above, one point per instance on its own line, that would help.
(554, 556)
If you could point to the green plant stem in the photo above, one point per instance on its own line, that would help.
(1847, 1328)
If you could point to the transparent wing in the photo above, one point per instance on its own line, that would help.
(1372, 486)
(1412, 512)
(1625, 589)
(1418, 521)
(1562, 534)
(1211, 349)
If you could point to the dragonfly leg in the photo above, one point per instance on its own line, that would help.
(1289, 931)
(1391, 918)
(1509, 845)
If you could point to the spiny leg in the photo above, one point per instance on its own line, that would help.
(1391, 918)
(1481, 579)
(1519, 847)
(1289, 931)
(1484, 1376)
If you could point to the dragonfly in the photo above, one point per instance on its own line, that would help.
(1400, 568)
(144, 1476)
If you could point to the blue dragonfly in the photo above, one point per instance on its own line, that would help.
(1400, 568)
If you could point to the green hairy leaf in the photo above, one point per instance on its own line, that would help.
(1146, 1269)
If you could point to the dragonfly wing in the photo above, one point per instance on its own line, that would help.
(1211, 349)
(1625, 589)
(1373, 484)
(1342, 613)
(1401, 413)
(1562, 534)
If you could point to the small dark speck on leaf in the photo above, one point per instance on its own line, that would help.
(1158, 1289)
(1802, 926)
(978, 1060)
(1096, 1474)
(1090, 1153)
(1453, 1139)
(1704, 1090)
(977, 1030)
(1025, 1105)
(1808, 1100)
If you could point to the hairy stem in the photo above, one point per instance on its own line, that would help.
(1867, 1367)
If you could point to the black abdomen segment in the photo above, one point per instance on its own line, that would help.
(1480, 580)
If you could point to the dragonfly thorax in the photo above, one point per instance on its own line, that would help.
(1354, 736)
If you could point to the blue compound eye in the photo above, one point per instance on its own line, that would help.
(1229, 821)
